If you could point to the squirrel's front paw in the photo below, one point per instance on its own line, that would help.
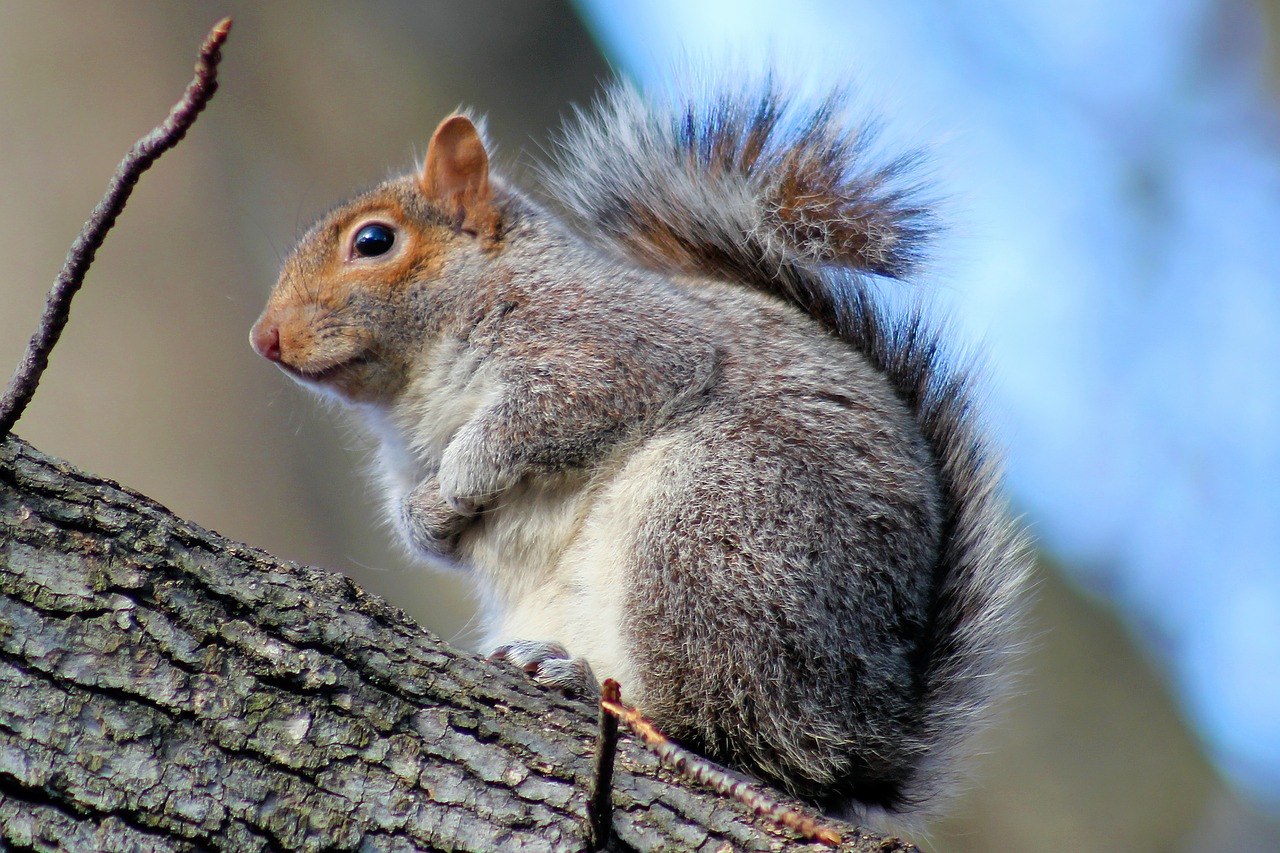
(428, 522)
(549, 664)
(473, 472)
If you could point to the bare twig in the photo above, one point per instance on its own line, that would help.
(600, 806)
(705, 772)
(22, 387)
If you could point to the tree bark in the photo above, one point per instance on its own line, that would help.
(163, 688)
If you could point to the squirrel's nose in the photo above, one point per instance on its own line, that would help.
(266, 340)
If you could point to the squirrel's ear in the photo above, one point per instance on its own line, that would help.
(457, 174)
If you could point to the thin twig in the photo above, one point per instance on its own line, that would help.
(22, 387)
(600, 806)
(705, 772)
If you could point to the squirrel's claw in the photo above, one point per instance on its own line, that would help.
(550, 665)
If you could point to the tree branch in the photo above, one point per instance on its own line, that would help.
(163, 687)
(22, 387)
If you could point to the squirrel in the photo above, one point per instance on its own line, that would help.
(676, 437)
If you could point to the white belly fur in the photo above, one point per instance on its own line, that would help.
(552, 562)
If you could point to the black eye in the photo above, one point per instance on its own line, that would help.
(374, 240)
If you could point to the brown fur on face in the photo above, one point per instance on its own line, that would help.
(332, 308)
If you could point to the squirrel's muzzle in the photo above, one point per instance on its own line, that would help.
(265, 338)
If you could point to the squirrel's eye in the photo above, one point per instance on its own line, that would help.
(374, 240)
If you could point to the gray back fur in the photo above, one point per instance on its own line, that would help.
(747, 189)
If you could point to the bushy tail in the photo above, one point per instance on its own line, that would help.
(742, 185)
(745, 187)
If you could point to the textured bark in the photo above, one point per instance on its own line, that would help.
(163, 688)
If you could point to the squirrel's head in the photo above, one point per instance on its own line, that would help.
(342, 317)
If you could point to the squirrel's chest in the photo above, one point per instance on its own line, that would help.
(452, 385)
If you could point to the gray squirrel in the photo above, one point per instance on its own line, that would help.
(674, 436)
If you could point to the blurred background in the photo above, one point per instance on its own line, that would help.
(1112, 181)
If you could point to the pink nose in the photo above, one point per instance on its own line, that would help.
(266, 340)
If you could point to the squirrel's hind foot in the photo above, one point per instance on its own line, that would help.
(550, 665)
